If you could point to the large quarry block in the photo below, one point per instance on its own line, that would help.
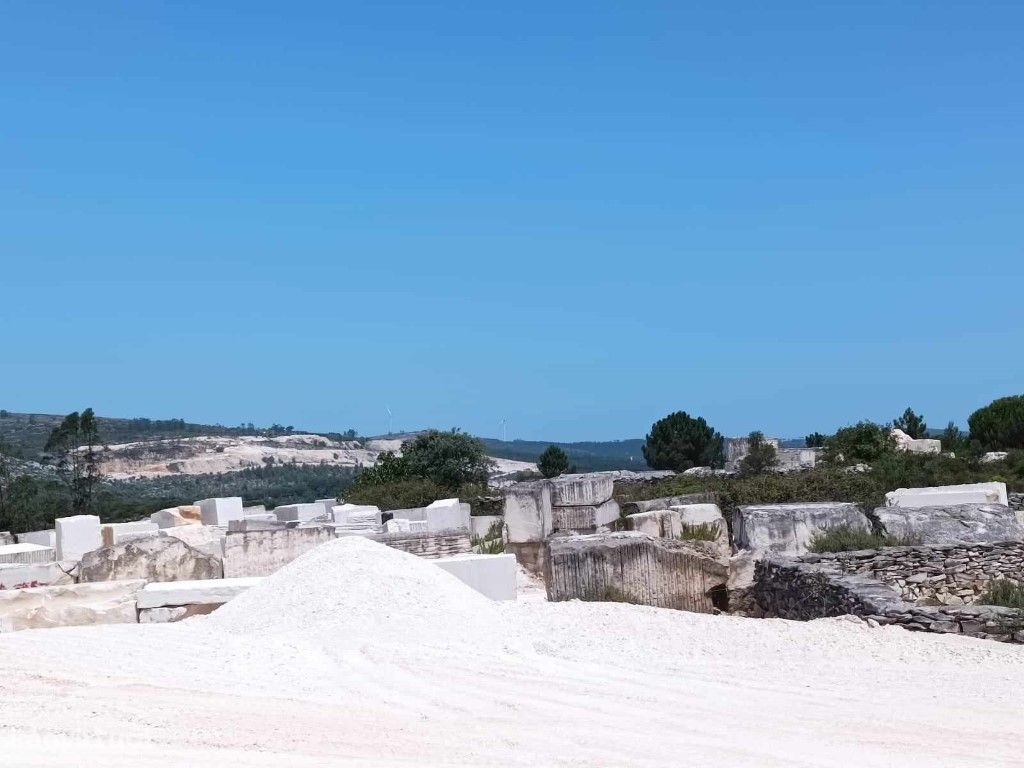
(328, 506)
(633, 567)
(527, 511)
(118, 533)
(948, 495)
(111, 602)
(220, 511)
(158, 558)
(447, 515)
(301, 513)
(172, 517)
(671, 523)
(77, 535)
(201, 592)
(493, 576)
(666, 502)
(967, 523)
(22, 554)
(584, 518)
(789, 528)
(23, 576)
(357, 515)
(586, 490)
(261, 553)
(43, 538)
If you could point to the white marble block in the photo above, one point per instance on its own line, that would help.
(446, 515)
(77, 535)
(493, 576)
(43, 538)
(23, 554)
(948, 495)
(220, 511)
(301, 513)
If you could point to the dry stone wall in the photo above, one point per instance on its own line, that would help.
(788, 588)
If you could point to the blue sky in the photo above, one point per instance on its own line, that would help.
(576, 216)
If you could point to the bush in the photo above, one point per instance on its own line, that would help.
(761, 455)
(864, 442)
(815, 440)
(553, 461)
(491, 543)
(999, 426)
(680, 442)
(843, 538)
(1008, 594)
(449, 459)
(700, 532)
(397, 494)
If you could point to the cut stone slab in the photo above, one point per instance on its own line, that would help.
(43, 538)
(583, 490)
(23, 554)
(117, 533)
(261, 553)
(633, 567)
(527, 511)
(493, 576)
(584, 518)
(359, 515)
(665, 502)
(197, 592)
(789, 528)
(948, 495)
(24, 576)
(447, 515)
(111, 602)
(77, 535)
(220, 511)
(207, 539)
(301, 513)
(158, 558)
(967, 523)
(398, 525)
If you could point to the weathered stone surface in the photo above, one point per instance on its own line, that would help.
(527, 511)
(789, 528)
(77, 535)
(493, 576)
(583, 490)
(207, 591)
(633, 567)
(666, 502)
(176, 613)
(220, 511)
(397, 525)
(427, 544)
(158, 558)
(357, 515)
(69, 605)
(992, 456)
(261, 553)
(905, 442)
(948, 495)
(23, 554)
(23, 576)
(950, 524)
(206, 538)
(584, 518)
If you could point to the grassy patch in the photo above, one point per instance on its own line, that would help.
(1008, 594)
(843, 538)
(700, 532)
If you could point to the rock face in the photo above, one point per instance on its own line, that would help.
(947, 495)
(158, 558)
(69, 605)
(207, 539)
(584, 518)
(967, 523)
(582, 490)
(789, 528)
(633, 567)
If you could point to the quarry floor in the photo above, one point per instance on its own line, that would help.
(415, 669)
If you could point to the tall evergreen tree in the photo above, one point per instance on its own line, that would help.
(912, 424)
(75, 443)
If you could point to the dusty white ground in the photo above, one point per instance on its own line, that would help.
(360, 655)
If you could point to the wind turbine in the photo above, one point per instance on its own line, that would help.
(504, 421)
(390, 417)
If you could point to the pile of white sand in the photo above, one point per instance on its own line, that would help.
(359, 654)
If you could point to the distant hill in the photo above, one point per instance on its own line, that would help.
(586, 456)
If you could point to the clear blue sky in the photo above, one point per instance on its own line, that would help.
(579, 216)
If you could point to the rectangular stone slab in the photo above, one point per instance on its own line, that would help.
(200, 592)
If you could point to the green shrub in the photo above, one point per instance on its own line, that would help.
(679, 442)
(397, 494)
(491, 543)
(700, 532)
(1008, 594)
(553, 461)
(449, 459)
(999, 426)
(843, 538)
(859, 443)
(761, 455)
(912, 424)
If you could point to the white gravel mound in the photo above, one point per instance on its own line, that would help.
(352, 591)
